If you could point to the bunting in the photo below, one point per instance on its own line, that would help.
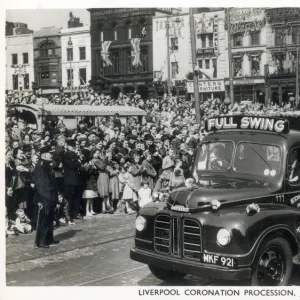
(136, 52)
(105, 54)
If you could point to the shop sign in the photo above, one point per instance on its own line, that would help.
(243, 81)
(245, 21)
(205, 51)
(283, 13)
(50, 91)
(111, 11)
(208, 86)
(246, 122)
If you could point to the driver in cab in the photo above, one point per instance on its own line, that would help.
(217, 159)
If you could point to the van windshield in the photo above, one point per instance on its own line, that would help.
(250, 158)
(215, 156)
(257, 159)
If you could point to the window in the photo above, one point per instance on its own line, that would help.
(255, 66)
(25, 58)
(174, 67)
(142, 28)
(26, 81)
(237, 66)
(258, 159)
(47, 49)
(174, 43)
(200, 65)
(45, 75)
(70, 77)
(14, 59)
(210, 40)
(82, 75)
(295, 32)
(115, 59)
(207, 64)
(69, 54)
(82, 55)
(215, 156)
(203, 41)
(279, 37)
(293, 172)
(129, 62)
(144, 59)
(214, 62)
(237, 40)
(115, 34)
(15, 82)
(255, 38)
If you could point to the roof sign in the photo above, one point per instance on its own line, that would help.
(248, 122)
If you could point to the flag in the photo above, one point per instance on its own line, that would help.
(105, 54)
(136, 52)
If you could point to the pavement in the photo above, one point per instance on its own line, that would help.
(93, 252)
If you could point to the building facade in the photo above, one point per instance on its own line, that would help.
(249, 53)
(19, 58)
(122, 56)
(210, 53)
(47, 60)
(283, 34)
(76, 57)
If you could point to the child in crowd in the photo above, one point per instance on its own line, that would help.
(121, 204)
(129, 192)
(144, 194)
(23, 222)
(61, 215)
(10, 227)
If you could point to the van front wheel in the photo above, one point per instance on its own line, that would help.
(274, 264)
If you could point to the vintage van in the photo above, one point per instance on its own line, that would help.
(241, 218)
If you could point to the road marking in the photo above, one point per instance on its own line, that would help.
(111, 276)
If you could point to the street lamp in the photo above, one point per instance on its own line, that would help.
(70, 45)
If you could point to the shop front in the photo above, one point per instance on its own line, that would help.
(209, 89)
(248, 88)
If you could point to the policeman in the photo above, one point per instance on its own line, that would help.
(45, 197)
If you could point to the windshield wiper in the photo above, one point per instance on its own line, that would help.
(260, 156)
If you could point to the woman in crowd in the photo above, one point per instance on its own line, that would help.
(112, 169)
(91, 189)
(103, 182)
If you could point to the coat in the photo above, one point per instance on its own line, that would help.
(137, 176)
(149, 173)
(113, 180)
(45, 186)
(103, 180)
(72, 169)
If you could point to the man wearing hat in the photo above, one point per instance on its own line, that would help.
(72, 179)
(46, 197)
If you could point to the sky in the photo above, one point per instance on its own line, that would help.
(38, 18)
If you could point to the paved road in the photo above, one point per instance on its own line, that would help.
(94, 252)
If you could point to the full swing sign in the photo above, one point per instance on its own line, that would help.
(270, 124)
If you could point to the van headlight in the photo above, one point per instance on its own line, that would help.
(140, 223)
(224, 237)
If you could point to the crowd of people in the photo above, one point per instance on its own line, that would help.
(109, 168)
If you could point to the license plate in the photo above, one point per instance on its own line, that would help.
(218, 260)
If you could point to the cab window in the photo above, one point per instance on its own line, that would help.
(293, 169)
